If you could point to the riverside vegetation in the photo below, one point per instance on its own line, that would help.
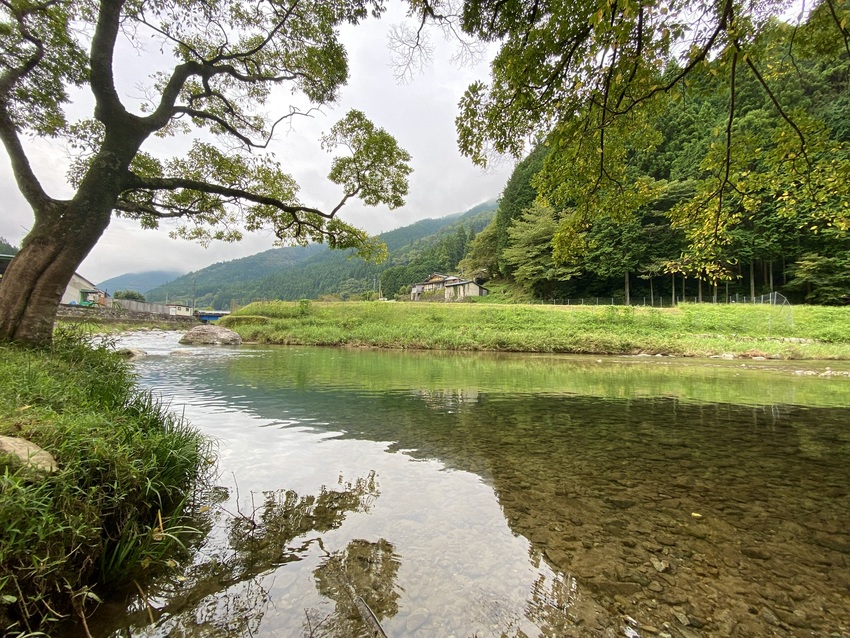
(127, 473)
(780, 332)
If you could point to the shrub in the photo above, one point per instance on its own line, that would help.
(242, 320)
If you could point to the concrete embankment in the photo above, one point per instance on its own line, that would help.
(115, 315)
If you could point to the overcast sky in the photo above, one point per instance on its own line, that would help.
(420, 114)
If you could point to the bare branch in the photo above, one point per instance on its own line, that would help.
(727, 161)
(778, 106)
(411, 49)
(205, 115)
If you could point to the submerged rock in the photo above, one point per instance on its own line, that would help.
(211, 335)
(28, 453)
(131, 353)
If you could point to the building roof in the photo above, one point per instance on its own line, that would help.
(437, 277)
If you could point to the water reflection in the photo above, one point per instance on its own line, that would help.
(361, 580)
(227, 590)
(548, 499)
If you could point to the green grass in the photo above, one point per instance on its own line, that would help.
(127, 471)
(800, 332)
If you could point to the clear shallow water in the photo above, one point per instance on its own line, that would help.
(491, 495)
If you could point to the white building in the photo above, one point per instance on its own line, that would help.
(179, 310)
(81, 291)
(458, 290)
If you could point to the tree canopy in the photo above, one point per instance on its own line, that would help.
(228, 58)
(771, 229)
(589, 80)
(132, 295)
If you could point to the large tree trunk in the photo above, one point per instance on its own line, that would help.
(35, 280)
(628, 292)
(62, 236)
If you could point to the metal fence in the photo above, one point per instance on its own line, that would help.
(773, 299)
(140, 306)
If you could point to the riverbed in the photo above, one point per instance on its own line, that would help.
(490, 495)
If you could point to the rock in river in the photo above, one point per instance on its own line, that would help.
(211, 335)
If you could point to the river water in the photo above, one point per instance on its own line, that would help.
(466, 494)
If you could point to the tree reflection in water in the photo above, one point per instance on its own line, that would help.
(226, 592)
(361, 582)
(262, 539)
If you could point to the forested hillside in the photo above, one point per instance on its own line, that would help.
(704, 217)
(6, 247)
(314, 271)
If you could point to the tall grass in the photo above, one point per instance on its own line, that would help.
(803, 332)
(127, 472)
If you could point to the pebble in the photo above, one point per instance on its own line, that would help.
(682, 617)
(660, 566)
(755, 552)
(769, 617)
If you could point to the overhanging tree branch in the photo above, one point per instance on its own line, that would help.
(180, 183)
(26, 179)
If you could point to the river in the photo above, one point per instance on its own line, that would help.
(444, 495)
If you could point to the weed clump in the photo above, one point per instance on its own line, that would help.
(127, 472)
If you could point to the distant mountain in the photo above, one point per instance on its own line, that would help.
(300, 272)
(139, 281)
(210, 282)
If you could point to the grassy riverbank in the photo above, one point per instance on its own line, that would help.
(799, 332)
(126, 470)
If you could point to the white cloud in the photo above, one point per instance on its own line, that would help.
(420, 115)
